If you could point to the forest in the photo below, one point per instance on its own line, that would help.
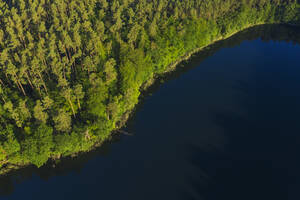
(72, 71)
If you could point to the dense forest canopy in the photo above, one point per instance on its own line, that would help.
(71, 70)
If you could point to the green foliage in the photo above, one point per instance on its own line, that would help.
(9, 145)
(62, 121)
(39, 112)
(70, 70)
(67, 144)
(37, 147)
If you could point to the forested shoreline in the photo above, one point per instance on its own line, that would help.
(72, 71)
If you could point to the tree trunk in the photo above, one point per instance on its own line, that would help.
(70, 102)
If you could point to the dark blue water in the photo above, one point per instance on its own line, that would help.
(226, 126)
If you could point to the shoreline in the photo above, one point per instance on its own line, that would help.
(9, 168)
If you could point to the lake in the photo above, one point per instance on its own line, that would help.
(225, 125)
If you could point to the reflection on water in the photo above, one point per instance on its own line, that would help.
(59, 168)
(224, 126)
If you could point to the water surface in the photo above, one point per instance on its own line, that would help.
(226, 126)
